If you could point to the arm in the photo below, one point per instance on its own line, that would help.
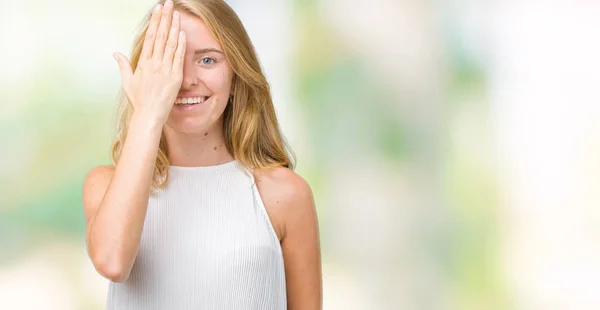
(301, 249)
(291, 208)
(115, 202)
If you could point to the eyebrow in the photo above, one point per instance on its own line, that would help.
(206, 50)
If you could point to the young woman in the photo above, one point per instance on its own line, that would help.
(201, 208)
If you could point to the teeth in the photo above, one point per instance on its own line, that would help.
(190, 100)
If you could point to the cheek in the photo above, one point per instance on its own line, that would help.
(218, 81)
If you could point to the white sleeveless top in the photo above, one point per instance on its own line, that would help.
(207, 243)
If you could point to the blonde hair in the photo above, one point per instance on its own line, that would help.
(250, 125)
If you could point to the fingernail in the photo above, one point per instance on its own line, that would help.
(157, 8)
(169, 3)
(115, 56)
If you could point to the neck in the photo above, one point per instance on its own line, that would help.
(198, 149)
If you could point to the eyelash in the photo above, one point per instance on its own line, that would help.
(212, 59)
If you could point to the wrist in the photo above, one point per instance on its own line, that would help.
(146, 121)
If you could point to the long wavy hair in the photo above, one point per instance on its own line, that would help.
(250, 126)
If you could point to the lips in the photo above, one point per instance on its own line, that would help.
(190, 107)
(191, 100)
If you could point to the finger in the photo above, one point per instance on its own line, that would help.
(146, 54)
(173, 39)
(124, 68)
(179, 54)
(163, 32)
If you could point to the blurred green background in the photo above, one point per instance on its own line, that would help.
(452, 146)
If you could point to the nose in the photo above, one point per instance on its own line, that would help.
(190, 78)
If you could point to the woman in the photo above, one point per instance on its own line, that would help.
(200, 209)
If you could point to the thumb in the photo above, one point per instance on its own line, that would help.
(124, 67)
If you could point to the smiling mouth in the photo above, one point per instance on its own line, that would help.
(191, 101)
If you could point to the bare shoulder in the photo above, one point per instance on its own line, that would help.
(283, 183)
(285, 194)
(94, 187)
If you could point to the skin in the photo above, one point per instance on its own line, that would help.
(115, 199)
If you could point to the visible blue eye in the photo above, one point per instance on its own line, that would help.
(207, 61)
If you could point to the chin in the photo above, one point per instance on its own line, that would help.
(187, 126)
(192, 125)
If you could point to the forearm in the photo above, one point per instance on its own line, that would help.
(115, 233)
